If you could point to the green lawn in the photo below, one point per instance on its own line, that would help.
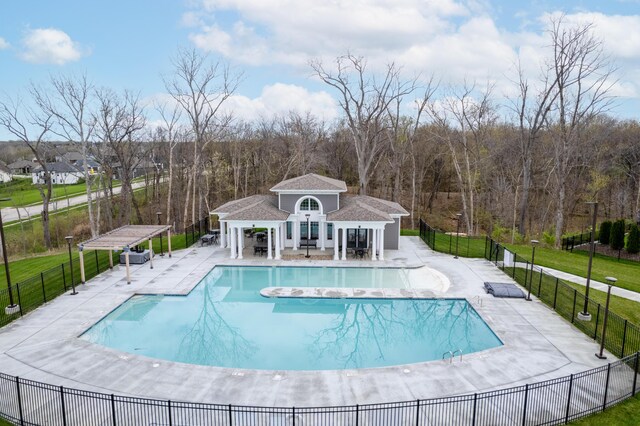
(626, 413)
(627, 272)
(23, 193)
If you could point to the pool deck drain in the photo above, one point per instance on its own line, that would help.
(538, 344)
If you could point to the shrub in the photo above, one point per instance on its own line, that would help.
(549, 238)
(633, 241)
(617, 235)
(604, 236)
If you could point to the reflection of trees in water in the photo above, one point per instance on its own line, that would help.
(212, 340)
(364, 326)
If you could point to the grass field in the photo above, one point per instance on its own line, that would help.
(626, 413)
(23, 193)
(627, 272)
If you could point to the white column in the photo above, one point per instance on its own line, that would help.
(269, 255)
(335, 242)
(278, 241)
(296, 232)
(323, 233)
(374, 241)
(283, 234)
(150, 254)
(232, 242)
(344, 243)
(223, 234)
(240, 242)
(381, 244)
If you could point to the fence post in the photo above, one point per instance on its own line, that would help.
(113, 410)
(526, 275)
(595, 331)
(573, 313)
(169, 412)
(624, 338)
(475, 406)
(44, 295)
(524, 410)
(635, 374)
(97, 263)
(450, 238)
(293, 416)
(357, 413)
(64, 279)
(64, 414)
(417, 412)
(606, 387)
(19, 400)
(555, 294)
(485, 246)
(230, 416)
(19, 299)
(540, 282)
(566, 417)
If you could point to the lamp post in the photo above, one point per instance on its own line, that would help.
(585, 315)
(610, 281)
(308, 216)
(69, 239)
(12, 308)
(458, 216)
(161, 250)
(534, 243)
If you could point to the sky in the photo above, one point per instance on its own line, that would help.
(130, 44)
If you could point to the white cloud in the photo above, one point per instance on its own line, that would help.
(4, 44)
(455, 40)
(279, 99)
(50, 46)
(274, 100)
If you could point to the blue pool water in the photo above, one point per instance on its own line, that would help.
(225, 322)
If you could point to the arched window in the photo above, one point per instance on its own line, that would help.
(309, 204)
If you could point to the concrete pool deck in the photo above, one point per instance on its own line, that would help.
(44, 345)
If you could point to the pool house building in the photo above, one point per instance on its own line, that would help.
(312, 211)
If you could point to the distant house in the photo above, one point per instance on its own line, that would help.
(5, 173)
(22, 167)
(71, 157)
(61, 174)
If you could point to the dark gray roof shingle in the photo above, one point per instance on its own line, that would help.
(311, 182)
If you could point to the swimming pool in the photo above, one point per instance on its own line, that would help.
(225, 322)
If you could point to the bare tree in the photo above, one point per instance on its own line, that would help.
(464, 121)
(69, 105)
(170, 134)
(119, 121)
(531, 110)
(32, 126)
(201, 88)
(365, 101)
(583, 76)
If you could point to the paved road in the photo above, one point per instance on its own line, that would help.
(10, 214)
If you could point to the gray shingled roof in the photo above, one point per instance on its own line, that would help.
(22, 164)
(362, 208)
(311, 182)
(59, 167)
(255, 207)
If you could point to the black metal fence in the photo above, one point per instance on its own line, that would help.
(555, 401)
(195, 231)
(571, 241)
(451, 243)
(622, 336)
(48, 284)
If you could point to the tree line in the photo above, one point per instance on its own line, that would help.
(521, 165)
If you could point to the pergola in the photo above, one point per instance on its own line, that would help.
(124, 238)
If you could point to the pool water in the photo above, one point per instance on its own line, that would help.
(225, 322)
